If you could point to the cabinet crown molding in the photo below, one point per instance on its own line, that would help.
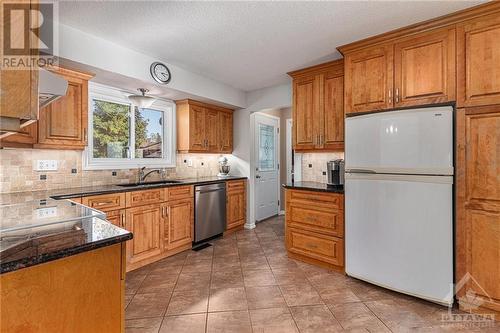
(417, 28)
(189, 101)
(316, 69)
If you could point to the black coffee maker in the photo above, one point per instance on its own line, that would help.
(335, 172)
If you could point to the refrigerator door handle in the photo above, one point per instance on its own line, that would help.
(359, 171)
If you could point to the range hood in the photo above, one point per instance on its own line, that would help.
(50, 87)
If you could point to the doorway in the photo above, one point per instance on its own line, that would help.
(267, 154)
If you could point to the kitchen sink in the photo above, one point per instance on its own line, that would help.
(159, 182)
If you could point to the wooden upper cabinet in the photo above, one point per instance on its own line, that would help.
(306, 112)
(63, 123)
(318, 107)
(478, 67)
(369, 79)
(26, 138)
(226, 131)
(18, 87)
(212, 130)
(424, 69)
(197, 129)
(203, 128)
(333, 114)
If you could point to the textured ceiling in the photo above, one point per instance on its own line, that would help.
(248, 45)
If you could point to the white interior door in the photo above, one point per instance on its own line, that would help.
(266, 166)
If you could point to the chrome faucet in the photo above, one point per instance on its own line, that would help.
(143, 175)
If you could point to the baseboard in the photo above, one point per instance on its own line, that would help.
(282, 212)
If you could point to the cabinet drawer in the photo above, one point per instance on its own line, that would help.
(116, 217)
(332, 200)
(105, 202)
(140, 198)
(180, 192)
(315, 218)
(316, 246)
(235, 186)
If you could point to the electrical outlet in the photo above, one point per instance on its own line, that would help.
(46, 165)
(46, 212)
(190, 163)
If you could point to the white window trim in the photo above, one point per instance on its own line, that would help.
(119, 96)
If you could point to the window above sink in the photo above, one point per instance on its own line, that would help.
(123, 136)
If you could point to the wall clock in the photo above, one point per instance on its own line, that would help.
(160, 72)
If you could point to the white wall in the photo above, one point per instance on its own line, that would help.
(117, 63)
(275, 97)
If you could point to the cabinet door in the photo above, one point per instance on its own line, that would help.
(306, 111)
(236, 209)
(212, 130)
(478, 211)
(478, 67)
(179, 222)
(332, 137)
(63, 124)
(145, 223)
(369, 79)
(24, 139)
(226, 131)
(197, 135)
(117, 217)
(424, 69)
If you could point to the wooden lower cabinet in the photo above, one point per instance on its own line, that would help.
(117, 217)
(179, 220)
(314, 227)
(236, 204)
(478, 208)
(146, 224)
(80, 294)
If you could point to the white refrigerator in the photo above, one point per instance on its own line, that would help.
(399, 201)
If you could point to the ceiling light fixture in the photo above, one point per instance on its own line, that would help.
(142, 101)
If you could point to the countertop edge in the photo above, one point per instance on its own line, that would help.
(324, 187)
(48, 257)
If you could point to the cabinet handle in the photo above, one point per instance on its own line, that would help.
(84, 134)
(321, 140)
(390, 96)
(397, 95)
(123, 220)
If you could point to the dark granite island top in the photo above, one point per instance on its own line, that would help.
(40, 231)
(314, 186)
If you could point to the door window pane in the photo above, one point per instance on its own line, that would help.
(148, 133)
(266, 147)
(110, 129)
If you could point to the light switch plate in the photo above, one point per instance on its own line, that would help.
(190, 163)
(45, 165)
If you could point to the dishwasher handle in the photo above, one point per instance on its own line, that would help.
(210, 187)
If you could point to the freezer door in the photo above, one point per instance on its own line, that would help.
(416, 141)
(399, 234)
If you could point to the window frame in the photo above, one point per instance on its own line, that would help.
(114, 95)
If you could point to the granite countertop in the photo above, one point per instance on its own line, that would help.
(17, 197)
(40, 231)
(315, 186)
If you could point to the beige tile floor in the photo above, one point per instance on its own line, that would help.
(246, 283)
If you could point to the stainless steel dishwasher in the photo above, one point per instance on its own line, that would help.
(210, 211)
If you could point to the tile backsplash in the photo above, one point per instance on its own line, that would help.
(314, 165)
(17, 174)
